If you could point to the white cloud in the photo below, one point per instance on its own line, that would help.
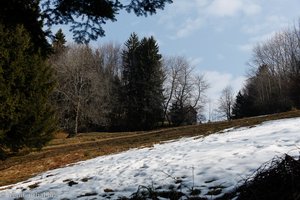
(229, 8)
(183, 7)
(252, 42)
(267, 24)
(177, 8)
(185, 17)
(223, 8)
(259, 32)
(218, 81)
(246, 47)
(188, 27)
(252, 9)
(195, 61)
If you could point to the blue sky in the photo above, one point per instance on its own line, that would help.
(217, 36)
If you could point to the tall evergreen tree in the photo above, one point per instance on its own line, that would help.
(294, 89)
(26, 118)
(129, 81)
(151, 85)
(59, 42)
(142, 83)
(245, 103)
(240, 106)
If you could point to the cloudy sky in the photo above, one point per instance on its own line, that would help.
(215, 35)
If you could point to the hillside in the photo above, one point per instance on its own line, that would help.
(210, 165)
(62, 151)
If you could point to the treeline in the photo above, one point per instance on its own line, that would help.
(27, 79)
(129, 87)
(78, 89)
(273, 84)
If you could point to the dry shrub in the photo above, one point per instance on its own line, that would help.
(278, 179)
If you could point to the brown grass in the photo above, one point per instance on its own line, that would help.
(62, 150)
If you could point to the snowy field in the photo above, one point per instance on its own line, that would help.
(216, 161)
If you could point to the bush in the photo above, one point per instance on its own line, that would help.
(278, 179)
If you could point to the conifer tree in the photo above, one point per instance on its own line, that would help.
(142, 78)
(238, 110)
(151, 85)
(59, 42)
(129, 79)
(26, 118)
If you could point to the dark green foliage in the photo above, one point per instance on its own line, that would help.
(116, 116)
(182, 115)
(88, 16)
(26, 13)
(238, 110)
(177, 114)
(26, 118)
(151, 82)
(274, 85)
(294, 90)
(243, 106)
(261, 95)
(142, 80)
(59, 42)
(129, 81)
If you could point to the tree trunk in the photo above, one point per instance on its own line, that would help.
(77, 118)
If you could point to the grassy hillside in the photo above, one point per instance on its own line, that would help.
(62, 151)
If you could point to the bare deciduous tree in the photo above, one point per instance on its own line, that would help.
(182, 86)
(276, 70)
(75, 74)
(226, 102)
(85, 94)
(172, 68)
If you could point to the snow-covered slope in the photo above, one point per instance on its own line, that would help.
(215, 161)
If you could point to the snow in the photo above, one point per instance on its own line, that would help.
(218, 160)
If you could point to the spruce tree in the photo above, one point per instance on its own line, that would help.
(151, 85)
(142, 83)
(129, 81)
(26, 118)
(239, 109)
(59, 42)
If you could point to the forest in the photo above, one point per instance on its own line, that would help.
(48, 85)
(273, 82)
(123, 88)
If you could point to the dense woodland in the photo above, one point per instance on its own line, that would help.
(273, 83)
(28, 81)
(123, 87)
(48, 86)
